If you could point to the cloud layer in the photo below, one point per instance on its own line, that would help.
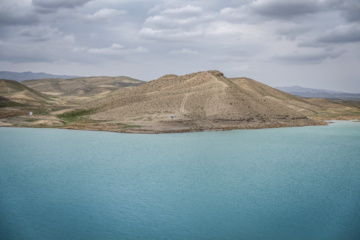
(302, 42)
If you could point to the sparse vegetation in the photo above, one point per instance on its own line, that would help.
(126, 126)
(11, 104)
(77, 115)
(32, 120)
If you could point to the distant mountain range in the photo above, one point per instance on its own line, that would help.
(319, 93)
(20, 76)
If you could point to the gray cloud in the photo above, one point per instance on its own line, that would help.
(103, 15)
(19, 54)
(183, 51)
(353, 14)
(174, 24)
(187, 11)
(234, 14)
(292, 32)
(45, 6)
(342, 34)
(59, 3)
(279, 9)
(111, 37)
(42, 33)
(11, 14)
(171, 35)
(161, 22)
(307, 58)
(350, 8)
(7, 19)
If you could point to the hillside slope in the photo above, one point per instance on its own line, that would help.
(81, 87)
(53, 97)
(17, 92)
(203, 101)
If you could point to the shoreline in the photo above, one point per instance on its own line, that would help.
(165, 127)
(326, 123)
(170, 131)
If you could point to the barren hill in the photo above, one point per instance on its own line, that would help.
(203, 101)
(81, 87)
(17, 92)
(195, 102)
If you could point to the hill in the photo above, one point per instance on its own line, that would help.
(202, 101)
(17, 100)
(319, 93)
(17, 92)
(48, 98)
(20, 76)
(81, 87)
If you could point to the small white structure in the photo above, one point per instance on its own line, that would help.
(30, 113)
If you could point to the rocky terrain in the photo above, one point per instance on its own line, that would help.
(203, 101)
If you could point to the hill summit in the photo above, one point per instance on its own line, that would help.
(202, 101)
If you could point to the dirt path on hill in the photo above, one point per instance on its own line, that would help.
(182, 107)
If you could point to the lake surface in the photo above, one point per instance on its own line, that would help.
(287, 183)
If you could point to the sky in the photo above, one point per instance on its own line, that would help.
(310, 43)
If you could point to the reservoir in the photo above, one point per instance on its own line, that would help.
(285, 183)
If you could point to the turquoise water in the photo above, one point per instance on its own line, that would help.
(288, 183)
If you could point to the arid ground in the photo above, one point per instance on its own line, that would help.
(203, 101)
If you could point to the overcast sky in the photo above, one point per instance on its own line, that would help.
(311, 43)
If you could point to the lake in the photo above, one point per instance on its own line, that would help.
(285, 183)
